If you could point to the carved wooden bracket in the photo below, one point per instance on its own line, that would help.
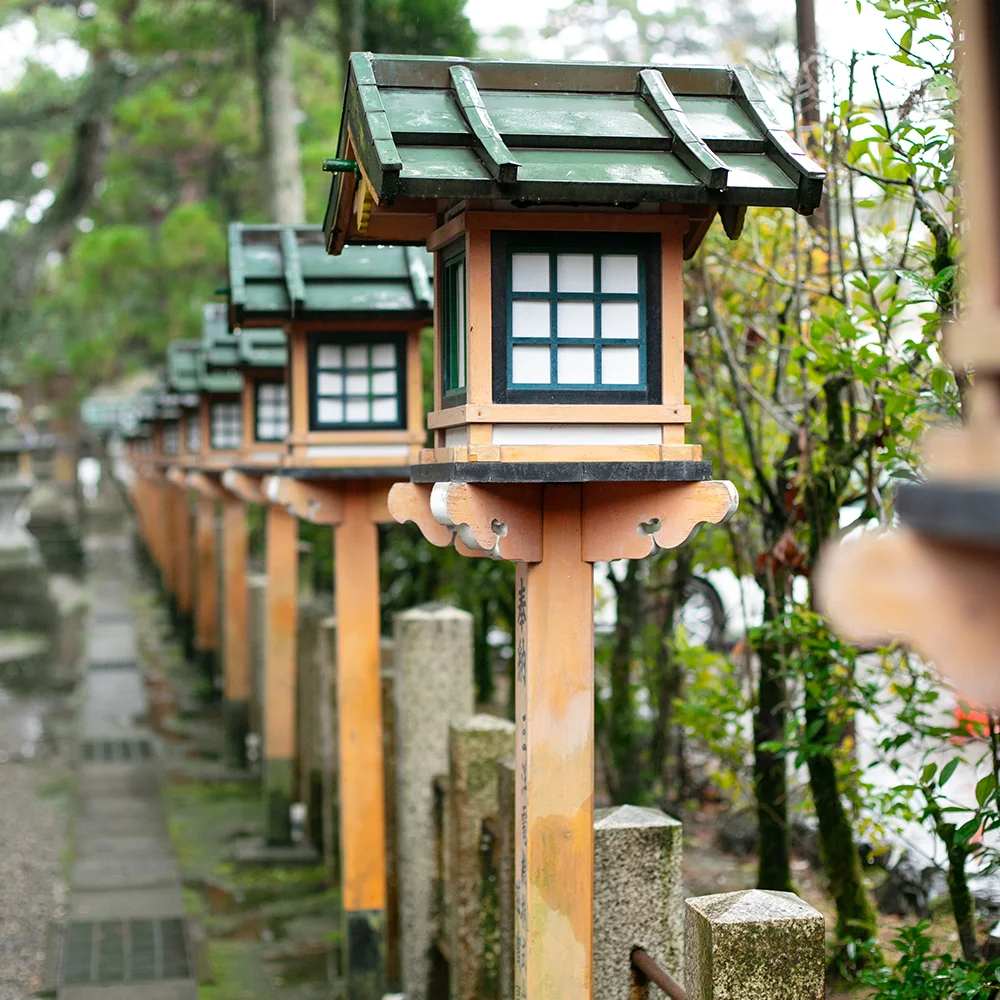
(177, 476)
(320, 504)
(247, 488)
(623, 520)
(502, 521)
(619, 520)
(411, 502)
(205, 486)
(941, 597)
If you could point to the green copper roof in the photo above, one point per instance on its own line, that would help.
(183, 365)
(583, 133)
(281, 272)
(220, 352)
(263, 348)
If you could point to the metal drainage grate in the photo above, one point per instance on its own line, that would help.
(116, 751)
(124, 951)
(113, 665)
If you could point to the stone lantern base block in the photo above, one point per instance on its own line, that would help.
(753, 944)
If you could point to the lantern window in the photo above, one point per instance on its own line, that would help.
(574, 324)
(454, 327)
(271, 411)
(193, 428)
(357, 383)
(226, 426)
(171, 439)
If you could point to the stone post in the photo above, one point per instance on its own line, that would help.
(752, 944)
(434, 688)
(257, 599)
(475, 747)
(393, 970)
(507, 828)
(327, 651)
(311, 693)
(637, 895)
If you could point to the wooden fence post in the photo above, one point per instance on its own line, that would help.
(434, 688)
(753, 944)
(475, 747)
(183, 561)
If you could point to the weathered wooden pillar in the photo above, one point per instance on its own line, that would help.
(359, 719)
(554, 754)
(236, 668)
(257, 640)
(279, 671)
(207, 598)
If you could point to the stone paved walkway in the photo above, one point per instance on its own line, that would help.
(124, 875)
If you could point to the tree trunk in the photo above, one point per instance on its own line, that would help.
(770, 777)
(351, 33)
(962, 906)
(278, 118)
(841, 862)
(667, 745)
(807, 84)
(624, 774)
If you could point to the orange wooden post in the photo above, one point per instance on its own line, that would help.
(207, 597)
(359, 714)
(554, 757)
(280, 671)
(236, 668)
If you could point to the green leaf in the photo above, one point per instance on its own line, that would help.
(967, 831)
(927, 774)
(985, 788)
(948, 770)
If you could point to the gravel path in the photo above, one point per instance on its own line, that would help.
(32, 889)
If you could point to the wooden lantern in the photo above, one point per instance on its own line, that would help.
(353, 328)
(221, 407)
(560, 202)
(263, 358)
(184, 378)
(356, 425)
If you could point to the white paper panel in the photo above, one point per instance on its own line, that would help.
(330, 383)
(531, 366)
(383, 356)
(357, 384)
(529, 272)
(330, 356)
(620, 366)
(358, 411)
(385, 410)
(384, 383)
(620, 274)
(530, 318)
(330, 411)
(620, 320)
(575, 366)
(575, 319)
(357, 356)
(575, 272)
